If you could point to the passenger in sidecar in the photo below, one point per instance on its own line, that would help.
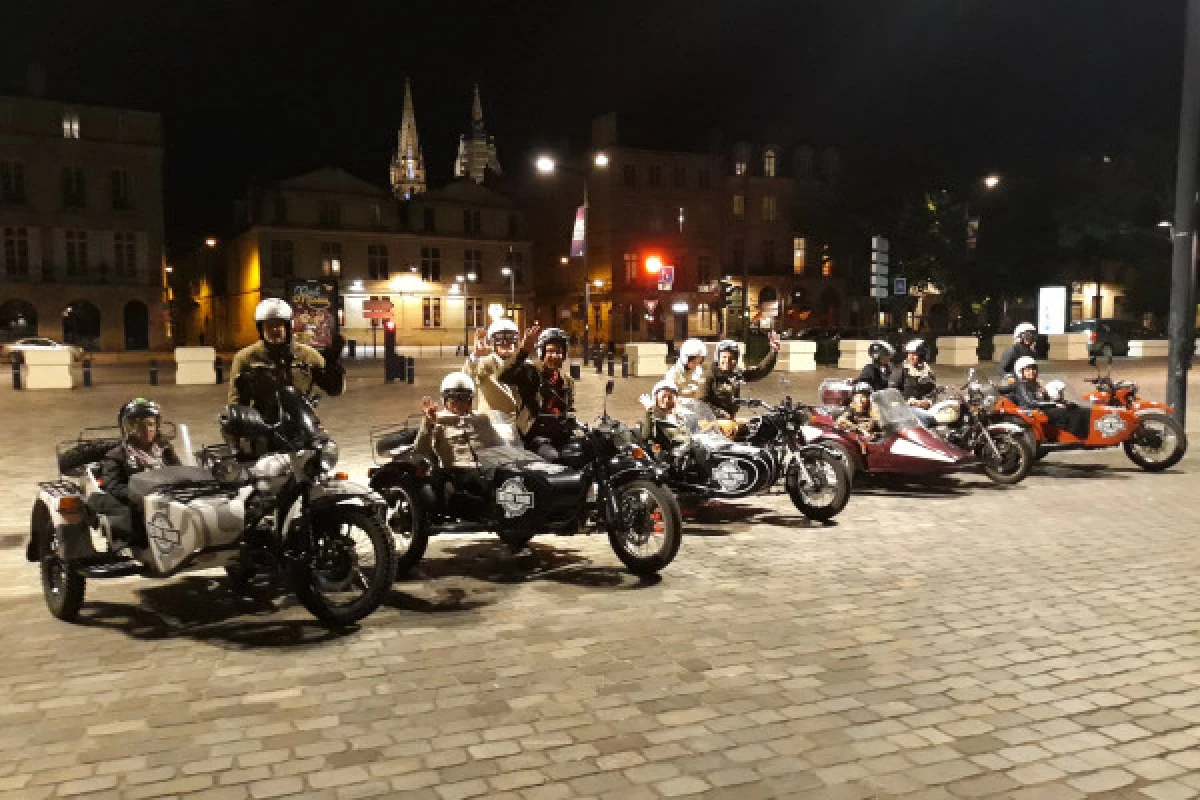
(142, 447)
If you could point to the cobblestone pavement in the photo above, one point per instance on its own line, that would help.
(941, 640)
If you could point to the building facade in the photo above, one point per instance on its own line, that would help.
(476, 150)
(81, 221)
(449, 260)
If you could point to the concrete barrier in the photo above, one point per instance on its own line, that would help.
(957, 351)
(1148, 348)
(1068, 347)
(854, 353)
(47, 369)
(195, 366)
(797, 355)
(647, 359)
(1000, 343)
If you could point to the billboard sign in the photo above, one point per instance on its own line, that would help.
(901, 286)
(579, 233)
(1052, 309)
(314, 311)
(666, 277)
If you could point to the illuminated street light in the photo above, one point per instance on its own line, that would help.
(545, 165)
(210, 242)
(599, 284)
(991, 181)
(654, 265)
(564, 260)
(1166, 223)
(170, 270)
(601, 160)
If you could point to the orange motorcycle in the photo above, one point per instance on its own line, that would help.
(1151, 436)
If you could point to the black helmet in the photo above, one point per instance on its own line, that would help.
(557, 335)
(136, 409)
(879, 349)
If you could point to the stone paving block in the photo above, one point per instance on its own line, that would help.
(1103, 781)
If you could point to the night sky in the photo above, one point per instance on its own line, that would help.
(274, 88)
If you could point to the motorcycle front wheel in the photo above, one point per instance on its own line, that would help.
(1158, 443)
(827, 490)
(409, 526)
(1011, 460)
(349, 568)
(648, 535)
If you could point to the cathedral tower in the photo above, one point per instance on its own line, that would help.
(476, 151)
(408, 162)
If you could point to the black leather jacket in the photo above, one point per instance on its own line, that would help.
(1009, 359)
(118, 467)
(912, 385)
(877, 375)
(722, 388)
(1030, 394)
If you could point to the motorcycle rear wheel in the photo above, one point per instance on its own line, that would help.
(409, 526)
(62, 587)
(319, 587)
(832, 478)
(1160, 458)
(1014, 462)
(652, 541)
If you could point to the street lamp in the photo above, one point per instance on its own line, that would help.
(991, 181)
(511, 274)
(460, 285)
(210, 242)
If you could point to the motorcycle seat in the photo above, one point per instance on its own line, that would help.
(153, 480)
(392, 441)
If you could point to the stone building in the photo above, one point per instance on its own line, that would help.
(476, 150)
(81, 225)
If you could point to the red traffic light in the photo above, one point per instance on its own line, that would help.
(654, 264)
(389, 325)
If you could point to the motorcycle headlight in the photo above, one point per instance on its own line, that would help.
(329, 455)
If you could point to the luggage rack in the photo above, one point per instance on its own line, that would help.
(386, 438)
(192, 490)
(60, 488)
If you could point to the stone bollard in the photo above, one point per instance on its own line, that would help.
(612, 362)
(87, 373)
(412, 370)
(624, 365)
(154, 372)
(219, 368)
(16, 367)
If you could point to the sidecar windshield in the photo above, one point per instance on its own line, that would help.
(892, 410)
(697, 415)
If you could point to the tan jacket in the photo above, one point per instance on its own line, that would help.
(490, 393)
(454, 441)
(690, 381)
(256, 354)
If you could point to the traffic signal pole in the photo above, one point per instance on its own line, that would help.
(1182, 320)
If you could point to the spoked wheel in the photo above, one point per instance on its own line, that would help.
(409, 527)
(648, 535)
(818, 484)
(62, 587)
(1009, 462)
(350, 568)
(1158, 443)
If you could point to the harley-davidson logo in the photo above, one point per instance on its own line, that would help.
(163, 534)
(1110, 425)
(513, 498)
(729, 475)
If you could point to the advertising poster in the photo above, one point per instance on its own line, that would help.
(579, 233)
(314, 311)
(1052, 309)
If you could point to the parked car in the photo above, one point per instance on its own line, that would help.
(40, 343)
(1109, 337)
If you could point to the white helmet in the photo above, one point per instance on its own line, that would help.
(1056, 389)
(502, 325)
(272, 308)
(1022, 329)
(915, 346)
(664, 384)
(458, 383)
(1022, 363)
(690, 349)
(728, 346)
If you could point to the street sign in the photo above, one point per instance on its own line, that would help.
(879, 292)
(377, 309)
(666, 278)
(901, 287)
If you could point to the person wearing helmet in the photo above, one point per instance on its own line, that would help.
(277, 355)
(545, 392)
(1024, 346)
(688, 371)
(877, 372)
(492, 348)
(723, 386)
(1029, 393)
(857, 416)
(142, 447)
(914, 377)
(674, 432)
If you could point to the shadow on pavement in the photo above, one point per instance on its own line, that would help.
(204, 609)
(492, 562)
(1090, 471)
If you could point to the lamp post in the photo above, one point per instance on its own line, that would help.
(460, 285)
(512, 288)
(548, 165)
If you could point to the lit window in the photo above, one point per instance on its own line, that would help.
(431, 312)
(798, 255)
(70, 122)
(826, 263)
(769, 164)
(331, 258)
(473, 263)
(739, 168)
(431, 263)
(474, 312)
(770, 208)
(739, 205)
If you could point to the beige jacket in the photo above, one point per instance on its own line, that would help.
(454, 441)
(490, 393)
(690, 381)
(256, 354)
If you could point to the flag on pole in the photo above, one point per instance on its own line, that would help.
(578, 234)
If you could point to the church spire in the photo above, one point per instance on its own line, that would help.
(408, 162)
(476, 151)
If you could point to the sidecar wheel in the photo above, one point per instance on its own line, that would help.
(409, 526)
(62, 587)
(1171, 443)
(843, 454)
(651, 539)
(830, 491)
(350, 568)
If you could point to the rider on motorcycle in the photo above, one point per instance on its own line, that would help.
(724, 384)
(1024, 346)
(142, 447)
(545, 393)
(1028, 393)
(276, 352)
(877, 372)
(484, 367)
(688, 372)
(857, 416)
(914, 379)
